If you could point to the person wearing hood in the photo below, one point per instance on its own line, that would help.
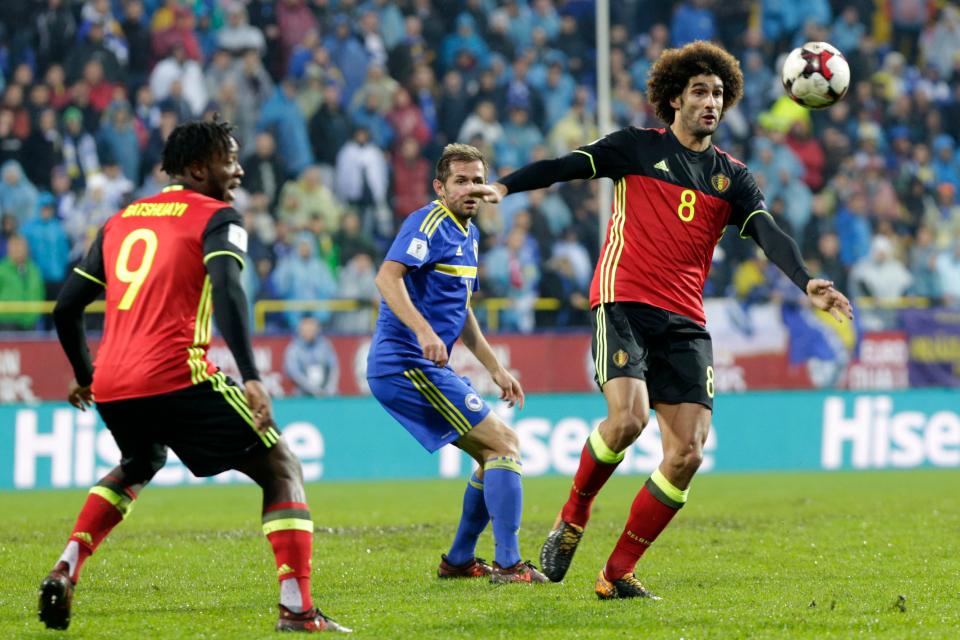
(18, 196)
(48, 244)
(880, 274)
(20, 281)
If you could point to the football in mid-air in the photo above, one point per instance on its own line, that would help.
(815, 75)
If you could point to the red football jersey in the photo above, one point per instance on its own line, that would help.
(670, 208)
(158, 325)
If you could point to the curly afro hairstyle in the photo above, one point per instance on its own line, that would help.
(196, 141)
(670, 74)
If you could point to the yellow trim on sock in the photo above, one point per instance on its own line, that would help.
(287, 524)
(503, 462)
(602, 451)
(124, 504)
(667, 487)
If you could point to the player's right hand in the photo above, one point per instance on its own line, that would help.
(80, 397)
(433, 348)
(259, 402)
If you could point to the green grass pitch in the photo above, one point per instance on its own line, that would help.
(751, 556)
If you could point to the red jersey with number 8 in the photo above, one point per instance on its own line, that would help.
(151, 258)
(671, 205)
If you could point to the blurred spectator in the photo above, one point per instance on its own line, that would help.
(172, 26)
(357, 283)
(406, 120)
(43, 149)
(482, 122)
(853, 229)
(560, 281)
(362, 181)
(294, 20)
(347, 54)
(351, 240)
(136, 31)
(238, 35)
(311, 362)
(513, 272)
(307, 197)
(264, 169)
(56, 30)
(453, 106)
(948, 270)
(692, 20)
(93, 46)
(20, 281)
(300, 275)
(281, 116)
(329, 131)
(923, 265)
(180, 66)
(520, 136)
(880, 274)
(118, 139)
(412, 176)
(48, 244)
(18, 197)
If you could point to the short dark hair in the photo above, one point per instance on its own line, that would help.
(671, 72)
(196, 141)
(458, 152)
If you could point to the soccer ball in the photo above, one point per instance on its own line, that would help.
(815, 75)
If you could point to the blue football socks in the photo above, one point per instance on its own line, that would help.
(504, 496)
(473, 521)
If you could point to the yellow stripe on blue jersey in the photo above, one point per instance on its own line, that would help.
(440, 252)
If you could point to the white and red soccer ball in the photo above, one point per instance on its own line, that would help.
(815, 75)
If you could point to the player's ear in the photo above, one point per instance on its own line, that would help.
(197, 171)
(438, 187)
(676, 102)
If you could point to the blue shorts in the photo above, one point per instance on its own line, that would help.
(434, 404)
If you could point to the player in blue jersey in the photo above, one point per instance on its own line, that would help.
(426, 281)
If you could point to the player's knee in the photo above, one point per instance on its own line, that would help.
(627, 425)
(506, 442)
(686, 460)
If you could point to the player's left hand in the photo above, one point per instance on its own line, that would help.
(489, 192)
(823, 296)
(80, 397)
(259, 402)
(510, 389)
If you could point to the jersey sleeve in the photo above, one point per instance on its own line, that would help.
(747, 201)
(411, 247)
(615, 155)
(225, 235)
(92, 267)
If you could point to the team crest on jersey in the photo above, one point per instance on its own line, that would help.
(621, 358)
(720, 182)
(473, 402)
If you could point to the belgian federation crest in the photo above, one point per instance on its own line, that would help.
(720, 182)
(620, 358)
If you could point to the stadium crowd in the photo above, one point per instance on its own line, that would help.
(342, 107)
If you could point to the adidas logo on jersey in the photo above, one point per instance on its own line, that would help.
(662, 166)
(459, 251)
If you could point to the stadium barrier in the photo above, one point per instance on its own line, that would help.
(56, 446)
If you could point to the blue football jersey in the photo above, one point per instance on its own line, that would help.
(442, 258)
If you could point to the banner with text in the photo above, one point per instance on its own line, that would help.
(54, 445)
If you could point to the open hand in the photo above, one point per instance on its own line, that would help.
(824, 297)
(510, 389)
(80, 397)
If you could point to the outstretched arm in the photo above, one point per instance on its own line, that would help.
(473, 339)
(783, 252)
(539, 175)
(389, 281)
